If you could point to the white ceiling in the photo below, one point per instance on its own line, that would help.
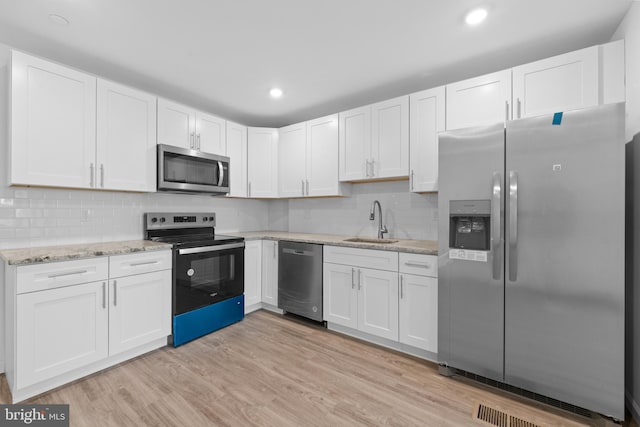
(223, 56)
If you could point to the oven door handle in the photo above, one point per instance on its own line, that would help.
(210, 248)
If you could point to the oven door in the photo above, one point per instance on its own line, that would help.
(206, 275)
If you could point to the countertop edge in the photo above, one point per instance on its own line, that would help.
(39, 255)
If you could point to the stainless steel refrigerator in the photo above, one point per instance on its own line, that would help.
(531, 255)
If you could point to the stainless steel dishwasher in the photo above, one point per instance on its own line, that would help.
(300, 279)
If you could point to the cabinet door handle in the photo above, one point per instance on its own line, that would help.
(198, 141)
(373, 168)
(137, 264)
(302, 181)
(91, 175)
(519, 108)
(506, 111)
(401, 286)
(353, 280)
(359, 279)
(68, 273)
(418, 264)
(102, 175)
(191, 142)
(249, 189)
(115, 293)
(307, 187)
(411, 180)
(366, 168)
(104, 295)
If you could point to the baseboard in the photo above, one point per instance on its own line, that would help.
(271, 308)
(384, 342)
(633, 406)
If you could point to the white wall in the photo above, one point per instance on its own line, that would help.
(629, 30)
(406, 215)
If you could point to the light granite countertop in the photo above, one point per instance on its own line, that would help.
(428, 247)
(25, 256)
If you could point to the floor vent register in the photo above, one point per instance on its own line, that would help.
(499, 418)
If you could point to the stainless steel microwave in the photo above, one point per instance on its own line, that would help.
(181, 170)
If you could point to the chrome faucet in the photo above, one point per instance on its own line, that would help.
(372, 215)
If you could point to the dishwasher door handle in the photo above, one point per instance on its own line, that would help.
(296, 252)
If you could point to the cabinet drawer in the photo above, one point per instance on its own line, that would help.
(39, 277)
(366, 258)
(138, 263)
(422, 265)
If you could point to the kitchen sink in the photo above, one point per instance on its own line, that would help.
(369, 240)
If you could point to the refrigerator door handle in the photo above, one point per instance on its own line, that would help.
(513, 226)
(496, 208)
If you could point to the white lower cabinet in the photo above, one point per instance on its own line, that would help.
(252, 275)
(270, 272)
(139, 310)
(61, 327)
(59, 330)
(419, 301)
(419, 312)
(360, 297)
(394, 304)
(339, 294)
(378, 302)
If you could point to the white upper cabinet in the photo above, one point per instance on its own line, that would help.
(176, 124)
(561, 83)
(355, 144)
(262, 162)
(237, 152)
(183, 126)
(427, 119)
(292, 157)
(390, 138)
(126, 138)
(211, 134)
(374, 141)
(308, 159)
(578, 79)
(479, 101)
(53, 124)
(322, 157)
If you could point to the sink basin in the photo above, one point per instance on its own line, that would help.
(369, 240)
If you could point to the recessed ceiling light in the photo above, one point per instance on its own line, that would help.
(58, 19)
(276, 92)
(476, 16)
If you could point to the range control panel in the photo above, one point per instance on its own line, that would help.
(155, 220)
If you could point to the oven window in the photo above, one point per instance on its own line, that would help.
(207, 278)
(189, 169)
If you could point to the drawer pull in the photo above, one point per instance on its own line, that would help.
(418, 264)
(69, 273)
(137, 264)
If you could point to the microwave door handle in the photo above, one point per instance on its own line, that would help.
(220, 174)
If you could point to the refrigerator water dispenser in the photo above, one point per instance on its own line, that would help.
(469, 224)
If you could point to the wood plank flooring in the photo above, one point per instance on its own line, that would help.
(269, 370)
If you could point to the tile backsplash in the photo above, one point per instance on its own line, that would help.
(42, 217)
(406, 215)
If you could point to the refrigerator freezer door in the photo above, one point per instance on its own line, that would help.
(471, 292)
(564, 293)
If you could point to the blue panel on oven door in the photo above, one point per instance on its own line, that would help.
(194, 324)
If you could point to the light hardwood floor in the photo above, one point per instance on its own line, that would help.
(273, 371)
